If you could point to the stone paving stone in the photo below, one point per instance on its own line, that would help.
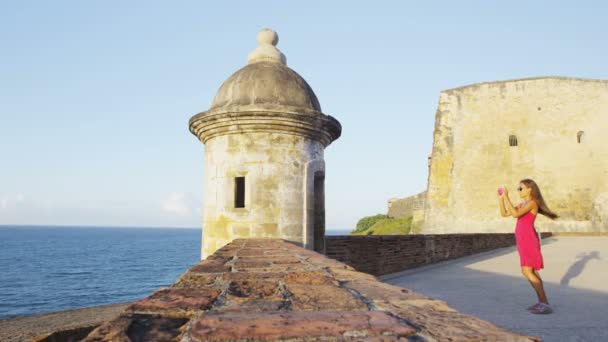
(193, 279)
(375, 290)
(287, 259)
(211, 266)
(343, 274)
(322, 261)
(253, 276)
(309, 278)
(299, 326)
(240, 264)
(253, 290)
(437, 321)
(136, 327)
(146, 328)
(314, 277)
(270, 268)
(322, 297)
(265, 252)
(115, 331)
(253, 305)
(177, 300)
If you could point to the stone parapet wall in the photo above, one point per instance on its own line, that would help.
(380, 255)
(272, 290)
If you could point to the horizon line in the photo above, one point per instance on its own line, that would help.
(2, 225)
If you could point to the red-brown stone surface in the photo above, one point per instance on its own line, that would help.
(211, 266)
(376, 291)
(323, 297)
(437, 321)
(272, 290)
(344, 274)
(309, 278)
(253, 305)
(195, 279)
(177, 300)
(323, 325)
(139, 328)
(253, 290)
(253, 276)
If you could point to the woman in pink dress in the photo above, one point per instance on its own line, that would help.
(528, 245)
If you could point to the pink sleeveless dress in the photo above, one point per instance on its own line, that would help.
(528, 245)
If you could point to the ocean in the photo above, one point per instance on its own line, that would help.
(47, 269)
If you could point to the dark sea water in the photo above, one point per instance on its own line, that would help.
(46, 269)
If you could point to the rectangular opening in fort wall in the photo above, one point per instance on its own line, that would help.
(239, 192)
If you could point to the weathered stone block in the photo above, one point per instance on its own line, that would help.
(177, 300)
(374, 291)
(247, 290)
(136, 327)
(322, 297)
(344, 274)
(211, 266)
(309, 278)
(194, 279)
(299, 326)
(439, 322)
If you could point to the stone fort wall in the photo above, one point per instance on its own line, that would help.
(403, 207)
(559, 125)
(409, 206)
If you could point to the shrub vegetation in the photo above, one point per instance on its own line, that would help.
(388, 226)
(367, 222)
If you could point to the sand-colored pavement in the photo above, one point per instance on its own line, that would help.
(490, 286)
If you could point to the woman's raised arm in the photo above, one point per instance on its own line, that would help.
(501, 204)
(517, 212)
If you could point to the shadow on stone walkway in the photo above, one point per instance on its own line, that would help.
(577, 268)
(489, 285)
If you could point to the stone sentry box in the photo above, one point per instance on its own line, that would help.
(266, 127)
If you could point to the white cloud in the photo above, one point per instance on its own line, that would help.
(182, 204)
(10, 202)
(177, 209)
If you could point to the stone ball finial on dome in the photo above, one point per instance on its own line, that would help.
(268, 36)
(266, 50)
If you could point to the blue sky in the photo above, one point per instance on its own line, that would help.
(95, 96)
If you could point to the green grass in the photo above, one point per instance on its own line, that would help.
(388, 226)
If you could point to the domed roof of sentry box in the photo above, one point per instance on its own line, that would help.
(265, 83)
(266, 96)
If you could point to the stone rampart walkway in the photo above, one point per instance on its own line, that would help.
(271, 290)
(490, 286)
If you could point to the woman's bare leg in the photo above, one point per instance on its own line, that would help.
(536, 282)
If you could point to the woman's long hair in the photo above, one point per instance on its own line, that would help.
(538, 198)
